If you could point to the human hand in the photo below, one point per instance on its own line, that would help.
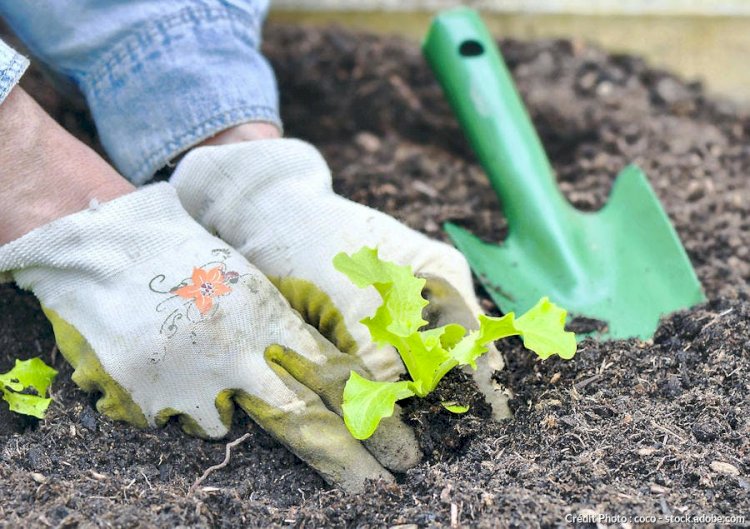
(166, 320)
(272, 200)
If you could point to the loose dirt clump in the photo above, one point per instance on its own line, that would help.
(653, 428)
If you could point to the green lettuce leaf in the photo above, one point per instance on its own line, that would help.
(542, 329)
(476, 343)
(401, 312)
(454, 407)
(25, 386)
(367, 402)
(427, 356)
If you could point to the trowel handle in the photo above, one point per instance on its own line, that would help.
(478, 85)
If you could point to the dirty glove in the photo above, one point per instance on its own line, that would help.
(273, 201)
(166, 320)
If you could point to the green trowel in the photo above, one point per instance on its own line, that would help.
(622, 266)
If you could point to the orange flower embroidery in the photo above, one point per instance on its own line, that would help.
(207, 284)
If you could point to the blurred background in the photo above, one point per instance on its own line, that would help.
(705, 40)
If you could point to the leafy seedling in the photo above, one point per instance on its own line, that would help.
(430, 354)
(25, 386)
(455, 407)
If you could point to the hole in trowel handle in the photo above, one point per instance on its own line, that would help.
(471, 48)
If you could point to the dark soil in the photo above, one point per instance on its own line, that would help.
(626, 428)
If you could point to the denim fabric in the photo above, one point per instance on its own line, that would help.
(159, 76)
(12, 66)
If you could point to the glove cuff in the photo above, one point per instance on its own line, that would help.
(214, 180)
(98, 242)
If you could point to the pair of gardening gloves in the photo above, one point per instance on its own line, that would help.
(217, 290)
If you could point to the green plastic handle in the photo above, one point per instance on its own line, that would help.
(478, 85)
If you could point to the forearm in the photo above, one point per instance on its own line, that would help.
(160, 77)
(44, 172)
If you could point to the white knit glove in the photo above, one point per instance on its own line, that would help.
(166, 320)
(273, 201)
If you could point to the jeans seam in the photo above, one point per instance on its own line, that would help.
(201, 131)
(132, 49)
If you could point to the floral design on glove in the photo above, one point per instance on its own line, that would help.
(200, 291)
(207, 285)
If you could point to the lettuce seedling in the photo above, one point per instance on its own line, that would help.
(25, 386)
(430, 354)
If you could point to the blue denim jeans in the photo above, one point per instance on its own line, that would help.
(158, 76)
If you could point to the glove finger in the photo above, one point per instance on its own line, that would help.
(449, 288)
(318, 309)
(90, 376)
(314, 433)
(116, 403)
(394, 443)
(495, 394)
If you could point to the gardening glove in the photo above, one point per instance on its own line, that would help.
(166, 320)
(273, 201)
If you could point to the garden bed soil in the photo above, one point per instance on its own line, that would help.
(652, 428)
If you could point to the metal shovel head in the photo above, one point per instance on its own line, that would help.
(624, 265)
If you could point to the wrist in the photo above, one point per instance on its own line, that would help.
(257, 130)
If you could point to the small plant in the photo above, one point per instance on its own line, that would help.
(430, 354)
(25, 386)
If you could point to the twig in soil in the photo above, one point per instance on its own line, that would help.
(583, 383)
(716, 318)
(147, 481)
(454, 516)
(668, 431)
(209, 470)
